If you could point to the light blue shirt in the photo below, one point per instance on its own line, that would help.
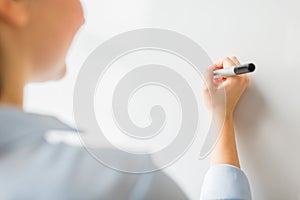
(225, 182)
(33, 168)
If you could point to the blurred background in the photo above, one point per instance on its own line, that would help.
(267, 117)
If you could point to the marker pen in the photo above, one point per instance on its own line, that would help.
(236, 70)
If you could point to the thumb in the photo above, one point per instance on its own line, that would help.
(209, 78)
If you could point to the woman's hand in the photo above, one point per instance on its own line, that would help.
(233, 87)
(221, 95)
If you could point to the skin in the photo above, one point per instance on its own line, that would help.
(225, 151)
(34, 40)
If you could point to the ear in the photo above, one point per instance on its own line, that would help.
(14, 12)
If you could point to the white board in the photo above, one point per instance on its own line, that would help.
(267, 117)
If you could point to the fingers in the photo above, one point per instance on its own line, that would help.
(224, 63)
(209, 76)
(228, 62)
(235, 60)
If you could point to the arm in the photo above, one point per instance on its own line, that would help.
(225, 179)
(225, 151)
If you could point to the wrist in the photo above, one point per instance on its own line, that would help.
(228, 115)
(222, 114)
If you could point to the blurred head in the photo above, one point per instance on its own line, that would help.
(36, 34)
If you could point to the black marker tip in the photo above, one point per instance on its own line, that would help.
(251, 67)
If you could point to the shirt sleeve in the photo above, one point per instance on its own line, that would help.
(225, 182)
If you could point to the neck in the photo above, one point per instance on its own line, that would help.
(14, 68)
(13, 79)
(12, 92)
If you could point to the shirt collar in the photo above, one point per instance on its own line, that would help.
(15, 123)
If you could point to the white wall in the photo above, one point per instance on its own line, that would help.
(267, 118)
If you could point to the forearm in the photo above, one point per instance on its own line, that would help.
(225, 151)
(225, 179)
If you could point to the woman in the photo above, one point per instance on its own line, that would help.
(34, 39)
